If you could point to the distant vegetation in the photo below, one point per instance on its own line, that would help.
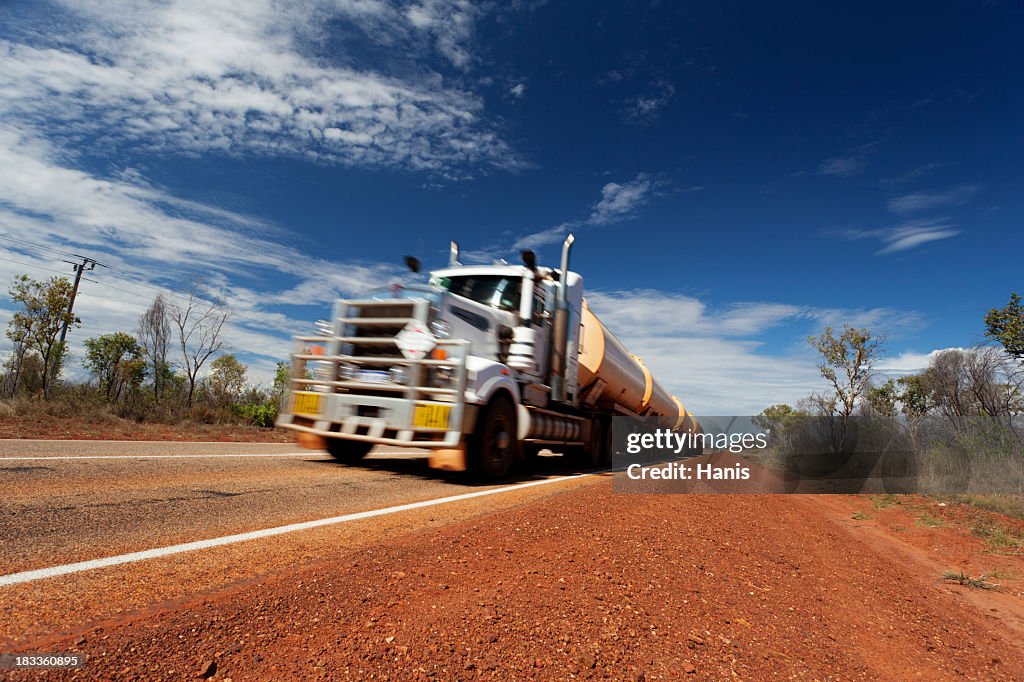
(153, 373)
(962, 417)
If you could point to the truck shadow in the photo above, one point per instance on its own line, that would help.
(533, 469)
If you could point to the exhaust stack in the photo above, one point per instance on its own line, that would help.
(560, 338)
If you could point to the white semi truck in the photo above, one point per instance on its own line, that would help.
(483, 365)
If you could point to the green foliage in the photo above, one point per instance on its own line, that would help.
(883, 399)
(846, 363)
(116, 361)
(1006, 325)
(37, 325)
(258, 414)
(914, 394)
(282, 376)
(779, 416)
(227, 379)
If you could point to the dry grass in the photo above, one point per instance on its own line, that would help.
(1009, 505)
(974, 583)
(885, 501)
(930, 521)
(997, 536)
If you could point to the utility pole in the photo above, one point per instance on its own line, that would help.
(86, 264)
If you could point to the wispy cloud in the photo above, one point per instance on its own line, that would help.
(928, 201)
(907, 235)
(518, 90)
(152, 238)
(619, 202)
(231, 77)
(647, 107)
(849, 164)
(238, 78)
(909, 176)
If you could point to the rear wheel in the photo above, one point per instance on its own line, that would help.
(493, 445)
(348, 451)
(596, 451)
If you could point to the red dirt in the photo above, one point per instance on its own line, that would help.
(589, 585)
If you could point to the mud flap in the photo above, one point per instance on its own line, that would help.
(449, 459)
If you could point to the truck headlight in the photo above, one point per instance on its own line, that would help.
(441, 329)
(399, 375)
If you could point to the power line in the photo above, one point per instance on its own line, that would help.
(33, 265)
(42, 246)
(133, 278)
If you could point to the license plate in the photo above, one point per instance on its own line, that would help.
(307, 403)
(371, 376)
(432, 416)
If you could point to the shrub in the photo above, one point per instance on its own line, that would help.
(258, 414)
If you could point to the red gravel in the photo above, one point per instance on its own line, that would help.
(584, 584)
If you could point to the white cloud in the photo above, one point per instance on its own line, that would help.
(908, 235)
(646, 108)
(450, 22)
(908, 362)
(849, 164)
(715, 360)
(147, 234)
(518, 90)
(620, 201)
(927, 201)
(191, 76)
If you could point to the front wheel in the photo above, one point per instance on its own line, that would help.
(493, 445)
(348, 451)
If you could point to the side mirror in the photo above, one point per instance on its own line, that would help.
(412, 263)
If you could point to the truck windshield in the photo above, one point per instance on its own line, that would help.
(497, 291)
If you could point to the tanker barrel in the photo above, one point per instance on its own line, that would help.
(627, 382)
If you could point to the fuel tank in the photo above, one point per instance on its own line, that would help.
(610, 377)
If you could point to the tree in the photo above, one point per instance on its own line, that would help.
(846, 363)
(199, 324)
(1006, 325)
(38, 324)
(282, 382)
(115, 359)
(155, 336)
(976, 382)
(882, 399)
(227, 379)
(15, 364)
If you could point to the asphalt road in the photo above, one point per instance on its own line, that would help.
(66, 502)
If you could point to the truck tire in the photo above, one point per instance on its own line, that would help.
(493, 446)
(597, 451)
(348, 451)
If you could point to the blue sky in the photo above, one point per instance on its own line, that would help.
(738, 174)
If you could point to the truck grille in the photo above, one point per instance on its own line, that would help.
(369, 328)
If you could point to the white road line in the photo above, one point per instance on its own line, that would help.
(261, 454)
(123, 442)
(54, 571)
